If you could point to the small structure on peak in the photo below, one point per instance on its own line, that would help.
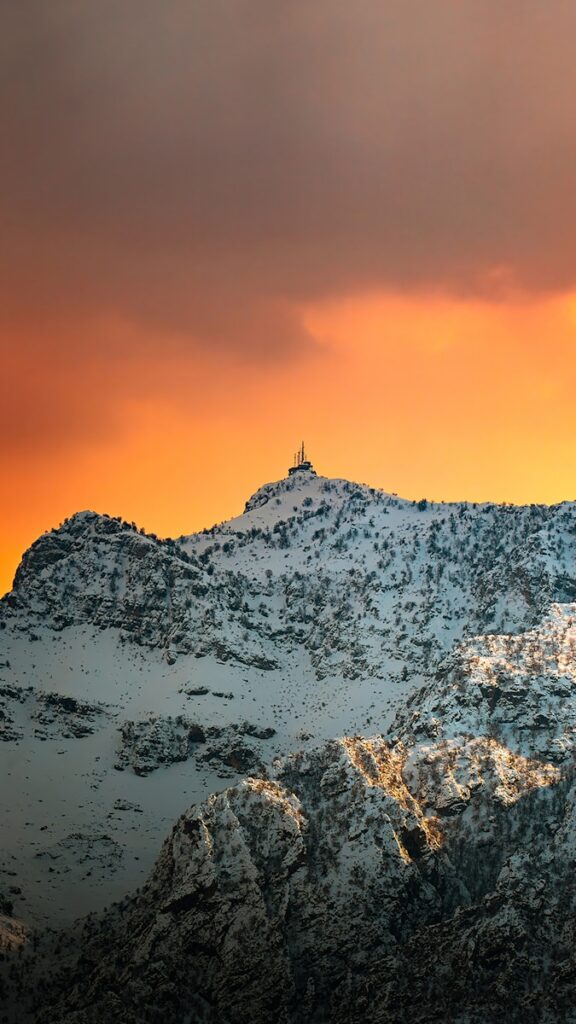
(301, 462)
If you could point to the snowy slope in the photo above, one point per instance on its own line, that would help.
(345, 887)
(313, 614)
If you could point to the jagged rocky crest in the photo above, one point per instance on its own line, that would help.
(419, 875)
(359, 882)
(356, 577)
(422, 878)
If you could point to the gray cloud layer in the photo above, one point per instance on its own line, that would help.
(202, 167)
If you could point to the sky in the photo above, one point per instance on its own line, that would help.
(230, 224)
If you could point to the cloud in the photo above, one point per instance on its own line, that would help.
(201, 170)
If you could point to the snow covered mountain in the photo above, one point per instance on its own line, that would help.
(309, 616)
(362, 881)
(140, 676)
(310, 559)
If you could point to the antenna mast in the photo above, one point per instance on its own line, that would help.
(301, 461)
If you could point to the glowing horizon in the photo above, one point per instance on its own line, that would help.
(469, 406)
(208, 254)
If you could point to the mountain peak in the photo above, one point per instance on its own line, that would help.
(299, 483)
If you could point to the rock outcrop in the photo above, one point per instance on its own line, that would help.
(158, 741)
(363, 881)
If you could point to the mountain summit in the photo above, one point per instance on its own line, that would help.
(384, 686)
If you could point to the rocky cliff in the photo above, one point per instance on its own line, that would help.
(424, 877)
(418, 868)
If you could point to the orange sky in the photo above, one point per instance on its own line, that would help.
(228, 226)
(420, 395)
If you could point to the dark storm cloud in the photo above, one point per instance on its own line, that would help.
(203, 167)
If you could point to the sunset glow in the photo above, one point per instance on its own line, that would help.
(420, 395)
(207, 257)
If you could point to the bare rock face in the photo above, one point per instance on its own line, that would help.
(48, 715)
(299, 897)
(155, 741)
(57, 715)
(161, 740)
(519, 688)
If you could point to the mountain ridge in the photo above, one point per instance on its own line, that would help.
(437, 640)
